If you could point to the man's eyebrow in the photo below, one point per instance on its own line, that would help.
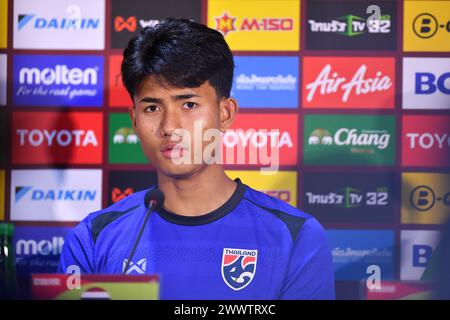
(151, 100)
(174, 98)
(184, 96)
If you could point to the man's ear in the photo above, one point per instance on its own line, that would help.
(228, 111)
(132, 111)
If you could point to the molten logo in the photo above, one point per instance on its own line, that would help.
(129, 24)
(58, 75)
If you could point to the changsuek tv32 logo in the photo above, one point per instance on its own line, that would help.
(351, 25)
(349, 197)
(425, 25)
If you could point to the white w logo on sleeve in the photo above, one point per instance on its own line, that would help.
(139, 267)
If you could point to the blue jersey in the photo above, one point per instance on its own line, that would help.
(252, 247)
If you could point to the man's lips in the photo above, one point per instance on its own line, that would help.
(171, 150)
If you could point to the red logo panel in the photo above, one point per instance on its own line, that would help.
(256, 136)
(348, 82)
(118, 95)
(57, 137)
(426, 141)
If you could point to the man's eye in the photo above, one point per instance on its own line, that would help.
(189, 105)
(151, 108)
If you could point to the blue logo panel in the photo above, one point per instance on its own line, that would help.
(58, 80)
(38, 249)
(266, 82)
(355, 250)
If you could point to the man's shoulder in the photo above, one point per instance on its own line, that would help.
(293, 218)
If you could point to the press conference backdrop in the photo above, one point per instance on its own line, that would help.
(362, 111)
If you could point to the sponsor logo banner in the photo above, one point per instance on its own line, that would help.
(348, 82)
(57, 138)
(3, 78)
(125, 183)
(426, 83)
(124, 144)
(347, 25)
(253, 136)
(58, 80)
(271, 25)
(118, 95)
(417, 247)
(349, 140)
(55, 195)
(425, 198)
(282, 185)
(59, 24)
(334, 197)
(266, 82)
(4, 134)
(129, 17)
(355, 250)
(2, 195)
(38, 249)
(426, 141)
(426, 26)
(3, 24)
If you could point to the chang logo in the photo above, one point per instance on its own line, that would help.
(320, 136)
(125, 135)
(58, 75)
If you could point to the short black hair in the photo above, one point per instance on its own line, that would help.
(181, 53)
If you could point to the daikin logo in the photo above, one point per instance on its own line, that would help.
(58, 75)
(74, 23)
(54, 194)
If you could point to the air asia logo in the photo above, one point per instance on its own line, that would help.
(238, 267)
(125, 135)
(130, 24)
(351, 137)
(423, 198)
(226, 23)
(58, 80)
(57, 137)
(53, 23)
(36, 194)
(348, 82)
(426, 140)
(351, 25)
(350, 198)
(425, 25)
(139, 267)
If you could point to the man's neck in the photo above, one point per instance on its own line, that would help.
(198, 194)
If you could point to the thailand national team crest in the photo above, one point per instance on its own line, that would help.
(238, 267)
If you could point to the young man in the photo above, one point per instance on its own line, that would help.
(213, 238)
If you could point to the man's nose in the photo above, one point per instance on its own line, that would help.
(169, 123)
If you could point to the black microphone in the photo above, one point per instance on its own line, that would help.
(153, 199)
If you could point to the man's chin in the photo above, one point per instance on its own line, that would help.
(179, 171)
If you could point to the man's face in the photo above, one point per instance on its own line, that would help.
(160, 110)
